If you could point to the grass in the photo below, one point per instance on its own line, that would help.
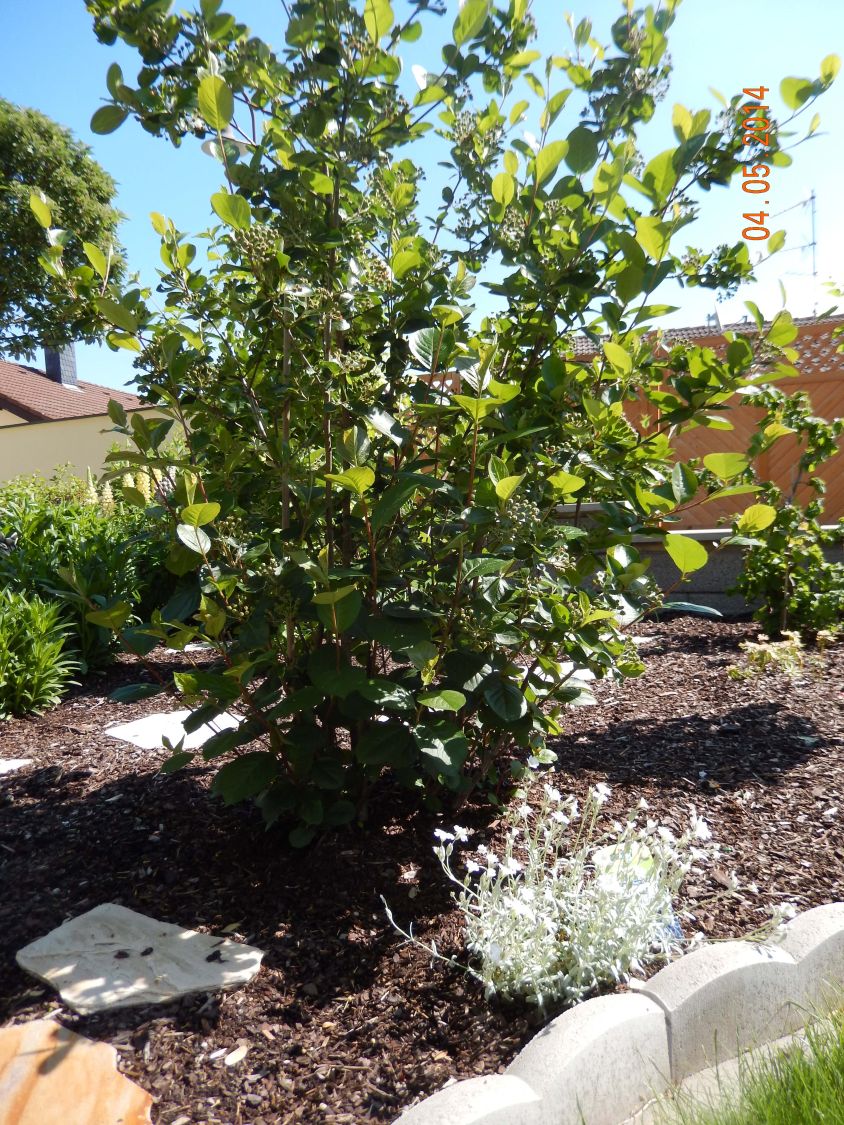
(796, 1086)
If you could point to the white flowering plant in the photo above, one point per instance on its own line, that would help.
(568, 907)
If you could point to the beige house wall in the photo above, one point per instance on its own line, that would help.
(44, 447)
(9, 419)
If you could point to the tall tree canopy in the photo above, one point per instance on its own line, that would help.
(38, 154)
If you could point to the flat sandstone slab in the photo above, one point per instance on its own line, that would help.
(113, 957)
(9, 765)
(52, 1076)
(148, 733)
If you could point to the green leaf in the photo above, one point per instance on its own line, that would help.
(505, 700)
(40, 210)
(197, 515)
(470, 21)
(796, 91)
(378, 18)
(117, 314)
(301, 835)
(177, 761)
(618, 357)
(194, 538)
(830, 67)
(564, 484)
(131, 693)
(387, 425)
(331, 597)
(776, 241)
(783, 330)
(443, 746)
(476, 408)
(725, 466)
(755, 518)
(96, 257)
(388, 694)
(505, 488)
(503, 188)
(684, 483)
(245, 777)
(391, 501)
(332, 673)
(358, 479)
(548, 159)
(732, 490)
(687, 554)
(405, 261)
(385, 744)
(232, 209)
(692, 607)
(582, 149)
(340, 616)
(114, 617)
(653, 236)
(108, 118)
(216, 103)
(442, 699)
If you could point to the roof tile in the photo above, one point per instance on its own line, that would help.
(28, 392)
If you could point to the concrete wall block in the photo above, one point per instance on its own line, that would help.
(494, 1099)
(599, 1061)
(724, 998)
(815, 939)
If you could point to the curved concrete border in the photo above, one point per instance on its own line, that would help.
(600, 1062)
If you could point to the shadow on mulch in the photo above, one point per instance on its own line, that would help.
(754, 742)
(165, 847)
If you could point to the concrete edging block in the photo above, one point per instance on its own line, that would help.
(723, 998)
(602, 1061)
(599, 1061)
(494, 1099)
(815, 939)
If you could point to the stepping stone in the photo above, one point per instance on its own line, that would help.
(9, 765)
(113, 957)
(52, 1076)
(148, 733)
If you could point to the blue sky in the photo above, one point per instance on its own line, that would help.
(50, 59)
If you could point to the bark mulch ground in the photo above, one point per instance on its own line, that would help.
(344, 1024)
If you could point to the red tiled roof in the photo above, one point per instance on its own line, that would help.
(28, 392)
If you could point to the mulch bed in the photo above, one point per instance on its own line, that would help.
(344, 1024)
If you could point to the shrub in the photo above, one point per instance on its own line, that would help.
(787, 569)
(72, 549)
(34, 668)
(799, 587)
(567, 908)
(365, 519)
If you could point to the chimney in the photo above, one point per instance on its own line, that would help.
(60, 366)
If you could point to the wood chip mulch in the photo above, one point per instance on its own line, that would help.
(344, 1024)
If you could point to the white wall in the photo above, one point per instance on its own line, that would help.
(43, 447)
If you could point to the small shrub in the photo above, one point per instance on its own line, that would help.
(798, 586)
(34, 668)
(74, 549)
(786, 655)
(567, 908)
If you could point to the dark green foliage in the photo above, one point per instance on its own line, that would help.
(37, 154)
(792, 571)
(35, 669)
(365, 521)
(73, 551)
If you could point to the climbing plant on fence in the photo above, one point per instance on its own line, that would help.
(365, 522)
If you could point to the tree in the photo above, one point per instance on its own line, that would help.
(36, 153)
(366, 522)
